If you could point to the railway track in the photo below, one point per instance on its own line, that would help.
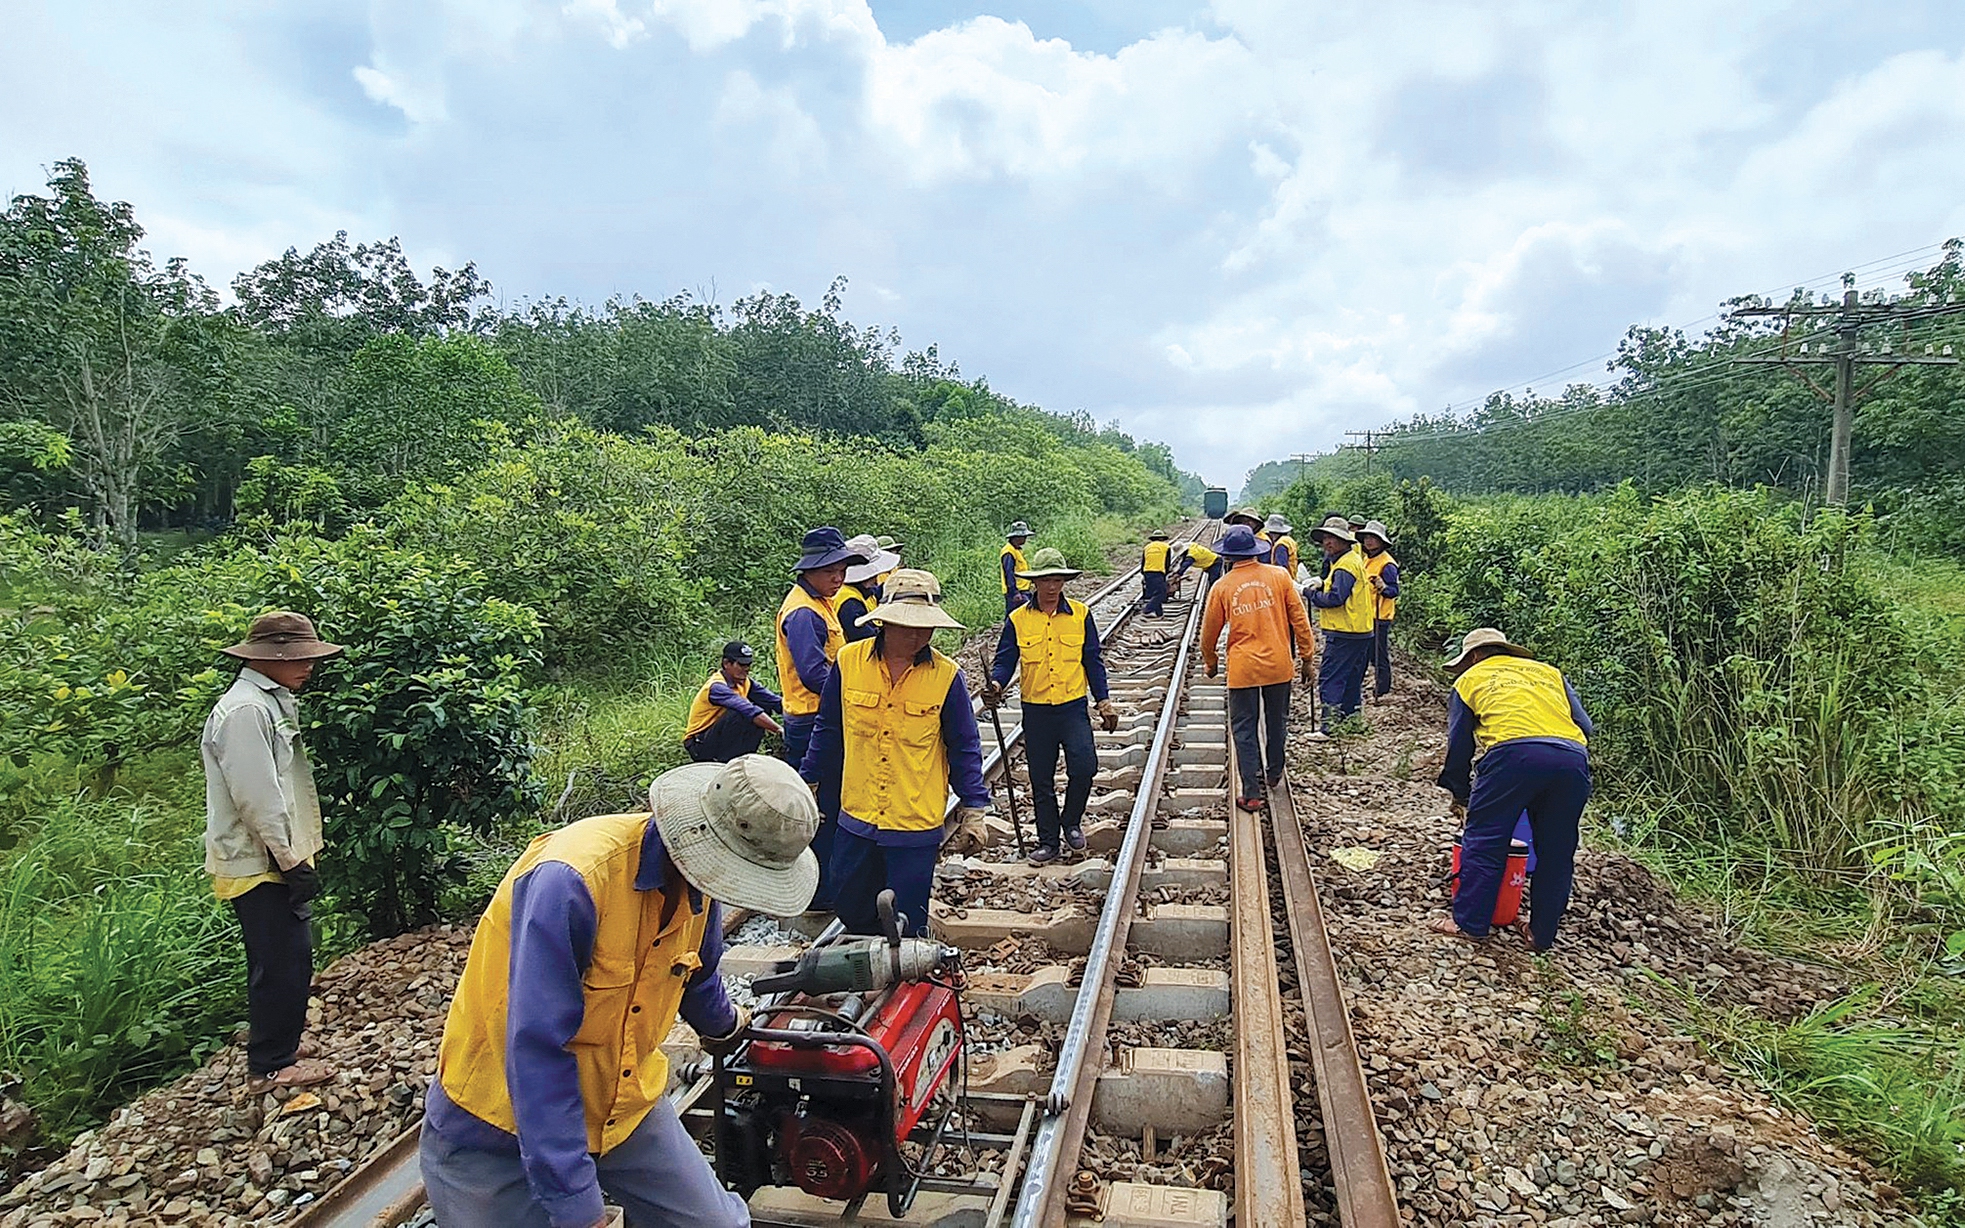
(1132, 1046)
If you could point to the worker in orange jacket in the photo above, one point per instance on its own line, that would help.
(1260, 608)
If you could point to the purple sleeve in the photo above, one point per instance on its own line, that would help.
(1341, 583)
(805, 636)
(705, 1005)
(724, 695)
(1094, 661)
(825, 758)
(1390, 579)
(1007, 653)
(963, 742)
(1456, 774)
(552, 936)
(1576, 712)
(1010, 571)
(766, 698)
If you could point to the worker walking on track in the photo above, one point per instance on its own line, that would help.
(1282, 547)
(1382, 574)
(551, 1076)
(1516, 728)
(861, 591)
(1347, 611)
(1153, 573)
(732, 712)
(262, 833)
(1011, 561)
(895, 733)
(1056, 642)
(809, 640)
(1261, 610)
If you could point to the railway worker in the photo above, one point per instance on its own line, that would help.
(1247, 517)
(1347, 611)
(1056, 642)
(550, 1076)
(1282, 547)
(262, 834)
(1382, 574)
(895, 733)
(861, 591)
(732, 712)
(1267, 625)
(893, 546)
(1517, 739)
(1011, 561)
(1194, 554)
(1153, 573)
(809, 639)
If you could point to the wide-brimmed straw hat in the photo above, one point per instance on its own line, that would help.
(1246, 513)
(741, 832)
(1049, 562)
(1377, 529)
(823, 547)
(1484, 637)
(911, 598)
(1337, 527)
(282, 636)
(1238, 543)
(1019, 529)
(1276, 524)
(878, 562)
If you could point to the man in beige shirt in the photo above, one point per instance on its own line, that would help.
(262, 831)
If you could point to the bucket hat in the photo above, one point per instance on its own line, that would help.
(1238, 543)
(1019, 529)
(1157, 535)
(823, 547)
(1356, 522)
(889, 543)
(913, 598)
(1377, 529)
(741, 832)
(282, 636)
(1049, 562)
(1336, 527)
(740, 652)
(1484, 637)
(1276, 524)
(1247, 513)
(878, 562)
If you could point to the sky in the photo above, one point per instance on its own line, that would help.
(1242, 228)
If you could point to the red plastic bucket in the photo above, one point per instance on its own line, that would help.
(1508, 904)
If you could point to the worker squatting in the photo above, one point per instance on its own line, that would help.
(549, 1091)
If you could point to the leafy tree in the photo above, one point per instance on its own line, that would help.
(415, 405)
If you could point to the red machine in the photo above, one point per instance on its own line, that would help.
(836, 1079)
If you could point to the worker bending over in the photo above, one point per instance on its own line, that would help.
(1282, 547)
(1517, 729)
(1382, 574)
(1267, 625)
(809, 640)
(861, 591)
(551, 1077)
(1011, 561)
(1347, 611)
(1056, 642)
(895, 732)
(732, 711)
(1194, 554)
(1153, 574)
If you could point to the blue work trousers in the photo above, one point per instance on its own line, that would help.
(1259, 715)
(798, 739)
(862, 868)
(1381, 658)
(1154, 590)
(1341, 674)
(732, 735)
(1047, 730)
(657, 1174)
(1550, 780)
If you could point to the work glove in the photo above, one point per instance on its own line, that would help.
(968, 834)
(303, 883)
(992, 695)
(1108, 716)
(1377, 584)
(725, 1045)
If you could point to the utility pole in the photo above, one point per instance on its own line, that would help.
(1369, 447)
(1847, 352)
(1303, 460)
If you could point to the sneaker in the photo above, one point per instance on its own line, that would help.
(1322, 735)
(1043, 855)
(1075, 837)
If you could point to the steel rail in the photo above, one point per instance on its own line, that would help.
(1268, 1167)
(1069, 1105)
(1363, 1182)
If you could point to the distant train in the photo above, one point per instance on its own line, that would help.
(1214, 504)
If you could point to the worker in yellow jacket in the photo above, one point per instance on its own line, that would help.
(1009, 562)
(1347, 610)
(1153, 573)
(551, 1077)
